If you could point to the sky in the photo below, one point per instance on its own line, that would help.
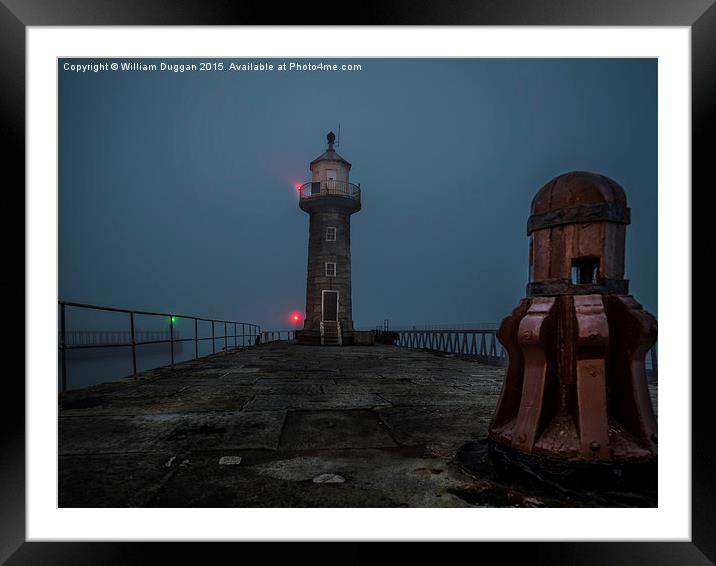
(177, 190)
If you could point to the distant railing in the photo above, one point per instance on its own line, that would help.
(461, 326)
(248, 330)
(479, 343)
(276, 335)
(323, 188)
(105, 338)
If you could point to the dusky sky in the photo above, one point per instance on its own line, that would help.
(177, 190)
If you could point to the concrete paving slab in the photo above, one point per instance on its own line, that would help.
(432, 396)
(170, 432)
(110, 434)
(176, 399)
(225, 431)
(326, 401)
(440, 429)
(116, 480)
(306, 430)
(372, 478)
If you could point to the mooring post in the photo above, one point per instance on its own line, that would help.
(575, 392)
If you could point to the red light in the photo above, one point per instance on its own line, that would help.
(295, 317)
(298, 187)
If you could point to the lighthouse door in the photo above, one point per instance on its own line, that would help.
(330, 305)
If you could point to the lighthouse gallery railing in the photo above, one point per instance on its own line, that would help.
(332, 188)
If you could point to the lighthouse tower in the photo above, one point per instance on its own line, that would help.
(330, 199)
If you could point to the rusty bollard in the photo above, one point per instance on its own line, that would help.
(575, 394)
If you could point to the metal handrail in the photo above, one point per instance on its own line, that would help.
(276, 335)
(430, 327)
(104, 338)
(464, 341)
(332, 187)
(456, 341)
(253, 331)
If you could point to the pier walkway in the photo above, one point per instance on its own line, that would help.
(284, 425)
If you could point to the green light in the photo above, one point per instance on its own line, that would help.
(173, 319)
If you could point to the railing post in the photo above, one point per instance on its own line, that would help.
(171, 337)
(226, 339)
(134, 344)
(63, 351)
(196, 339)
(236, 343)
(213, 339)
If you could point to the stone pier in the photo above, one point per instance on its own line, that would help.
(285, 425)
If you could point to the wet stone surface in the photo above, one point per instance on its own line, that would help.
(283, 425)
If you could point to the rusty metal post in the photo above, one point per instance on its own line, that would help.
(575, 391)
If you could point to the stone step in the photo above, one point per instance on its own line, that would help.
(331, 334)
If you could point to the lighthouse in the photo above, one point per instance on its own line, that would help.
(330, 199)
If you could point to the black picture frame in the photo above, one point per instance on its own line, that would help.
(17, 15)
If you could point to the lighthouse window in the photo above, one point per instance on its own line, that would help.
(330, 269)
(585, 270)
(331, 234)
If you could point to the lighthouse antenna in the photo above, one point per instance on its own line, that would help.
(338, 141)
